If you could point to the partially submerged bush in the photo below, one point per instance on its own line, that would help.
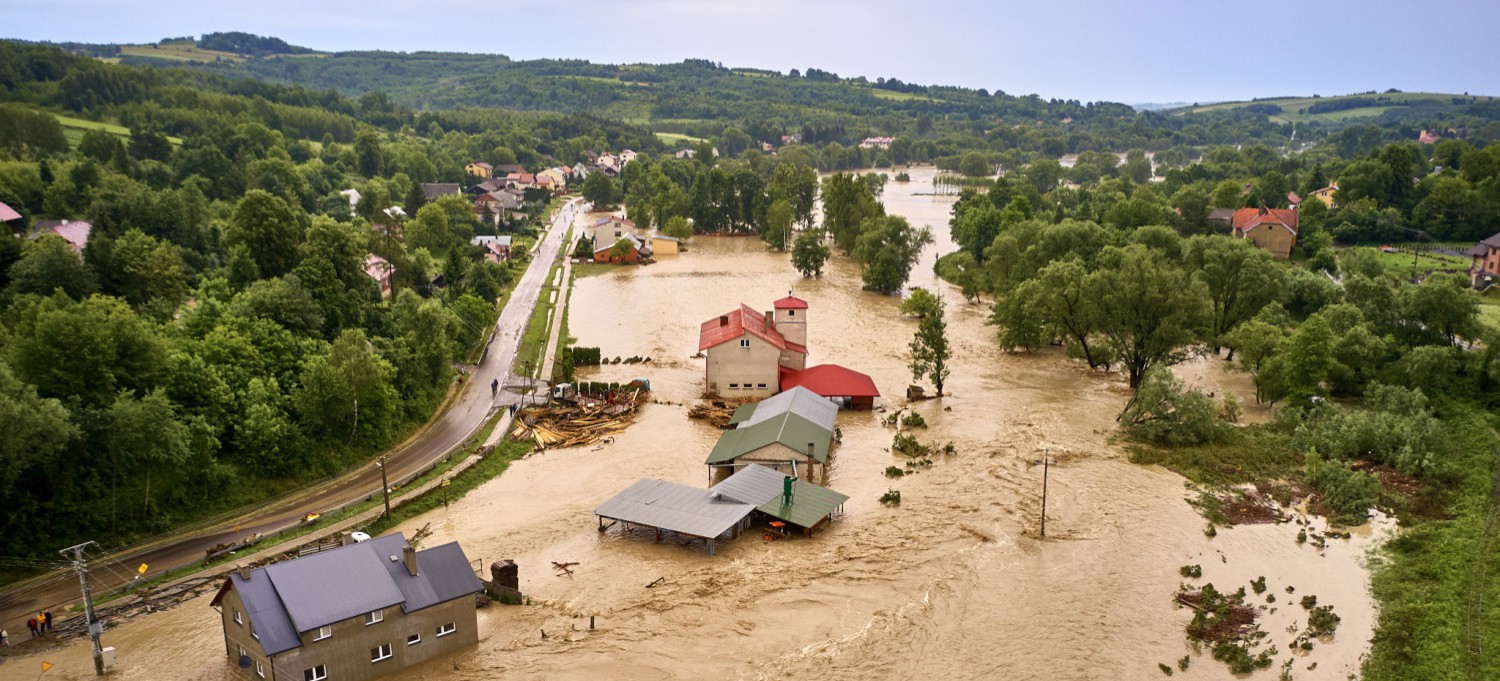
(1349, 493)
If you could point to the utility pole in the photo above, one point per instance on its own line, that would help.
(1046, 457)
(81, 568)
(385, 487)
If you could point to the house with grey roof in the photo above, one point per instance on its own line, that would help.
(356, 612)
(790, 432)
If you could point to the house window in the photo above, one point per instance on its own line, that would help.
(324, 632)
(260, 670)
(252, 632)
(445, 629)
(791, 313)
(744, 342)
(243, 652)
(380, 652)
(760, 386)
(373, 617)
(317, 673)
(413, 639)
(734, 386)
(237, 619)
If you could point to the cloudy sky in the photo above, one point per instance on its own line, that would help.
(1129, 51)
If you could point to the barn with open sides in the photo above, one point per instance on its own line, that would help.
(723, 511)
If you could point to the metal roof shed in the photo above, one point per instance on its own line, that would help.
(691, 511)
(810, 505)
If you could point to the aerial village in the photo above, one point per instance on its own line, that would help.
(356, 606)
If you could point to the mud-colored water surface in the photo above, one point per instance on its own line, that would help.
(953, 583)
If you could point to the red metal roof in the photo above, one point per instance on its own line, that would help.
(7, 213)
(791, 302)
(831, 380)
(734, 324)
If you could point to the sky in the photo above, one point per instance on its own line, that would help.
(1131, 51)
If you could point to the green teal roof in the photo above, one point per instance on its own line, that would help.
(743, 413)
(789, 429)
(810, 504)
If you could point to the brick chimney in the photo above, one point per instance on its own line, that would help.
(245, 572)
(409, 556)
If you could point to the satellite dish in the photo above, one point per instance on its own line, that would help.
(244, 662)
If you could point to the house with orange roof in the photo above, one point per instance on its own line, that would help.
(1273, 229)
(1326, 194)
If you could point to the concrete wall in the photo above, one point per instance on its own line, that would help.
(346, 654)
(729, 365)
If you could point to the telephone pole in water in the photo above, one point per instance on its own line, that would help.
(81, 568)
(1045, 459)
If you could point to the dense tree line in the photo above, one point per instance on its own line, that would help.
(221, 334)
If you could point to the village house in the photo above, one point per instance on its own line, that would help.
(725, 510)
(556, 176)
(12, 219)
(380, 270)
(876, 142)
(746, 351)
(75, 232)
(1326, 195)
(684, 153)
(352, 613)
(436, 190)
(354, 196)
(496, 248)
(1293, 200)
(480, 169)
(604, 250)
(1273, 229)
(1486, 267)
(790, 432)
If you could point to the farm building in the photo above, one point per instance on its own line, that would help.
(848, 388)
(665, 245)
(723, 511)
(790, 432)
(746, 350)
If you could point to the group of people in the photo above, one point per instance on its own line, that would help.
(39, 625)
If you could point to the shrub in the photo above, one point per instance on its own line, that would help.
(891, 497)
(1165, 413)
(1349, 493)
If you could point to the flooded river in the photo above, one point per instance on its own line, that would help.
(953, 583)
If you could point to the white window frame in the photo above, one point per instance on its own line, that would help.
(260, 670)
(445, 629)
(374, 617)
(243, 652)
(237, 619)
(381, 653)
(413, 639)
(744, 342)
(317, 673)
(252, 632)
(324, 632)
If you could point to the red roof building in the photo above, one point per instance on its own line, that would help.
(1273, 229)
(735, 324)
(790, 303)
(746, 352)
(8, 214)
(838, 383)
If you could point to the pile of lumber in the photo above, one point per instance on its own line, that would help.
(717, 413)
(577, 426)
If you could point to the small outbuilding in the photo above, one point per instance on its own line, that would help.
(848, 388)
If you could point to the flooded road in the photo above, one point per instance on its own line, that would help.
(953, 583)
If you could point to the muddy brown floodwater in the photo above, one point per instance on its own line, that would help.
(953, 583)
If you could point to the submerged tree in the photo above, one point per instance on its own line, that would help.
(929, 346)
(809, 253)
(887, 249)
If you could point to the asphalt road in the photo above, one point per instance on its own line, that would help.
(465, 416)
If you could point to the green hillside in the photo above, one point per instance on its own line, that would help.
(1344, 108)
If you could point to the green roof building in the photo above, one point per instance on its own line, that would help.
(790, 432)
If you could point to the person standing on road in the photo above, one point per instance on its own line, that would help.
(494, 388)
(31, 624)
(47, 621)
(4, 638)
